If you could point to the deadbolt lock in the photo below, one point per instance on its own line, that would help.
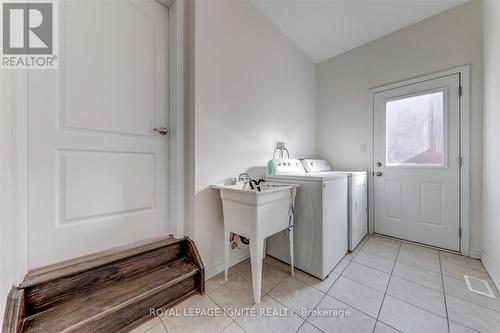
(161, 130)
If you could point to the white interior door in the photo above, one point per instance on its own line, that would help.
(416, 157)
(98, 173)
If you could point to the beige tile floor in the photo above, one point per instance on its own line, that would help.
(383, 286)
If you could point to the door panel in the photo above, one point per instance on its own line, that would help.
(416, 154)
(97, 170)
(394, 198)
(100, 180)
(431, 203)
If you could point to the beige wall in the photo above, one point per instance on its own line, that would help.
(252, 85)
(447, 40)
(491, 138)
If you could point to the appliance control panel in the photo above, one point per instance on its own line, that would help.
(312, 165)
(285, 166)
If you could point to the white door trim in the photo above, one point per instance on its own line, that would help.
(177, 112)
(464, 73)
(13, 153)
(14, 181)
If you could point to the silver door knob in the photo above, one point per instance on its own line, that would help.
(161, 130)
(378, 174)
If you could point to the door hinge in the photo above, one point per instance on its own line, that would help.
(460, 232)
(460, 161)
(460, 90)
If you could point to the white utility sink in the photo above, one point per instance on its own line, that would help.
(256, 215)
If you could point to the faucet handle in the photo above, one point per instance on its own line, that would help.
(244, 177)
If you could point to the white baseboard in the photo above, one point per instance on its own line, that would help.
(476, 254)
(235, 259)
(492, 270)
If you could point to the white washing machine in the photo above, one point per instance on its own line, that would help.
(357, 198)
(320, 219)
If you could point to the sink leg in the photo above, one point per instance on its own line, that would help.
(227, 241)
(290, 235)
(256, 249)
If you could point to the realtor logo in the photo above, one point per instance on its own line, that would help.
(28, 35)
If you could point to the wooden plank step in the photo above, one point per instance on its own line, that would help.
(14, 311)
(81, 264)
(105, 306)
(54, 287)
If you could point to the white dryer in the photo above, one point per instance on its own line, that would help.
(357, 197)
(320, 219)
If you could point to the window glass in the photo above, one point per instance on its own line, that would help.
(415, 130)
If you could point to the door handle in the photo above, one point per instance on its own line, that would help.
(378, 174)
(161, 130)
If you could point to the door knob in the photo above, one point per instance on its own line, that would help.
(161, 130)
(378, 174)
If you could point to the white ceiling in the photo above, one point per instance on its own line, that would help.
(326, 28)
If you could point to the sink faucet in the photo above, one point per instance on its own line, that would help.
(244, 178)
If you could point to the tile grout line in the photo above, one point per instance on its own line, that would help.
(453, 264)
(470, 328)
(473, 303)
(286, 307)
(379, 321)
(164, 326)
(425, 269)
(220, 307)
(416, 306)
(277, 301)
(361, 283)
(304, 319)
(223, 284)
(388, 283)
(418, 284)
(349, 261)
(352, 306)
(230, 323)
(325, 294)
(223, 310)
(401, 277)
(363, 312)
(463, 300)
(234, 321)
(359, 263)
(268, 293)
(444, 293)
(321, 300)
(405, 241)
(440, 291)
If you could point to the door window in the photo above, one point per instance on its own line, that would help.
(415, 130)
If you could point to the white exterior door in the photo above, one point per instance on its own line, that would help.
(416, 162)
(98, 173)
